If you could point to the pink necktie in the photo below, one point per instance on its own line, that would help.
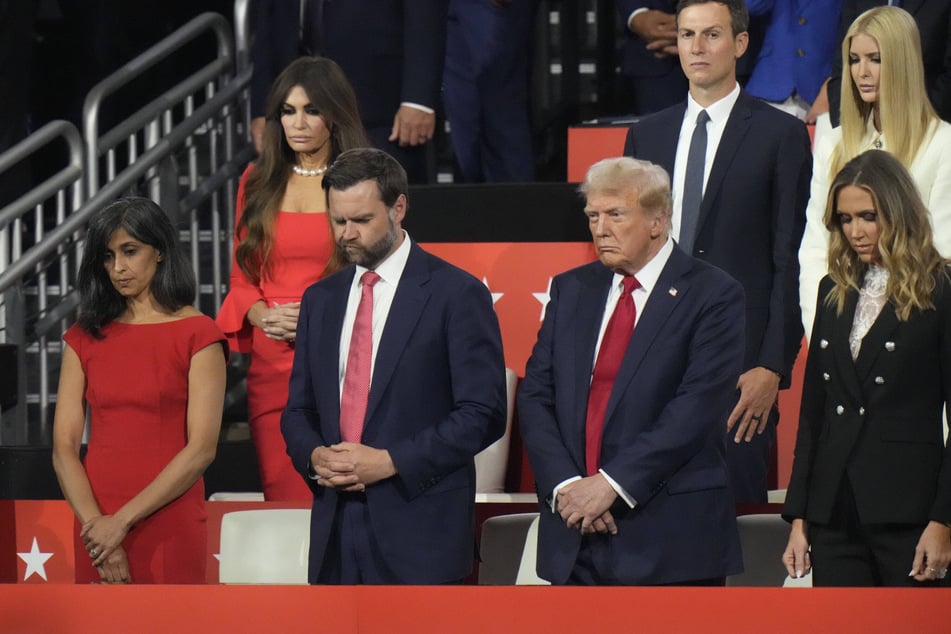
(356, 382)
(613, 346)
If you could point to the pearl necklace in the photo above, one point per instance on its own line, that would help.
(306, 172)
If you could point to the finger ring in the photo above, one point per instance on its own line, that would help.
(94, 552)
(943, 573)
(756, 417)
(932, 570)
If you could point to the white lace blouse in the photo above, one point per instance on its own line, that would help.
(871, 301)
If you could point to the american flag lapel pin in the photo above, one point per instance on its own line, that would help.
(672, 291)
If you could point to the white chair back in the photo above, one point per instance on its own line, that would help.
(268, 546)
(492, 462)
(526, 567)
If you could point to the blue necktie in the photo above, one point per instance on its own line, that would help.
(693, 183)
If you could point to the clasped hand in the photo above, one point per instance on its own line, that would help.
(659, 30)
(350, 466)
(279, 322)
(584, 504)
(102, 535)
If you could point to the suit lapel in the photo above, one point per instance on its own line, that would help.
(737, 125)
(655, 138)
(876, 340)
(328, 351)
(411, 296)
(841, 352)
(660, 304)
(592, 295)
(670, 128)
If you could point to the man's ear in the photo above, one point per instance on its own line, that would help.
(741, 42)
(399, 208)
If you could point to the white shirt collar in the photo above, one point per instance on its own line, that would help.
(648, 275)
(390, 270)
(719, 111)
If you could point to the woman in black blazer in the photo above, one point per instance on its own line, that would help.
(870, 494)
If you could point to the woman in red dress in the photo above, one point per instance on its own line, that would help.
(283, 245)
(151, 369)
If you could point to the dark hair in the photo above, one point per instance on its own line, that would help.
(363, 164)
(329, 91)
(174, 283)
(739, 16)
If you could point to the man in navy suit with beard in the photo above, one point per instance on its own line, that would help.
(398, 381)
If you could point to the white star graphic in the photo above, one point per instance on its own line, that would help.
(495, 296)
(35, 561)
(543, 299)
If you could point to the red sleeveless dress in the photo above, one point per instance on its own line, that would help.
(137, 394)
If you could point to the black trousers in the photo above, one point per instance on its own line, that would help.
(846, 552)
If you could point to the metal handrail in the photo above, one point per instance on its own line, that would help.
(134, 69)
(163, 148)
(242, 36)
(69, 175)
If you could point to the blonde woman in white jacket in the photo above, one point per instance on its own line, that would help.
(885, 106)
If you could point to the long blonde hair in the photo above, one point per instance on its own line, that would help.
(904, 238)
(905, 112)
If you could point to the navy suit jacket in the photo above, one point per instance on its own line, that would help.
(437, 397)
(751, 217)
(391, 50)
(663, 436)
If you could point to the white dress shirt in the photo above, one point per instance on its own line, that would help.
(719, 112)
(390, 271)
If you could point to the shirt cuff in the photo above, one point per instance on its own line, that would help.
(554, 494)
(631, 17)
(624, 495)
(418, 106)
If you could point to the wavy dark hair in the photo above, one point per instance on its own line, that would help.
(904, 240)
(330, 92)
(173, 286)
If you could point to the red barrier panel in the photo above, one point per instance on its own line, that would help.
(464, 609)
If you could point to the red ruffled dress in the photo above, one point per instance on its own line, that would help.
(302, 248)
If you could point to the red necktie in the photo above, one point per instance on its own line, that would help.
(356, 382)
(613, 346)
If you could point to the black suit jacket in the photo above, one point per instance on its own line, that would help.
(663, 429)
(391, 50)
(877, 419)
(751, 217)
(933, 18)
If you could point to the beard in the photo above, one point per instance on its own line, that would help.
(368, 257)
